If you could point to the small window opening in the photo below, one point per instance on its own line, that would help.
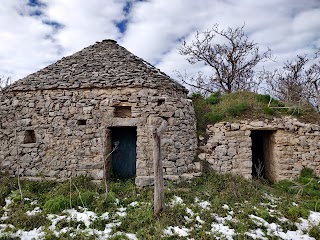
(29, 136)
(122, 111)
(81, 122)
(161, 101)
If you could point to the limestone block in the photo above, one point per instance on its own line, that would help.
(232, 152)
(221, 150)
(182, 169)
(202, 156)
(235, 126)
(257, 124)
(143, 181)
(171, 177)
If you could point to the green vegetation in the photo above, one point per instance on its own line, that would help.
(244, 105)
(202, 201)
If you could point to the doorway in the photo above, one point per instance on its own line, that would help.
(263, 164)
(124, 157)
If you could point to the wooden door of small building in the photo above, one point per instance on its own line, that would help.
(124, 157)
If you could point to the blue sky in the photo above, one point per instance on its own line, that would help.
(35, 33)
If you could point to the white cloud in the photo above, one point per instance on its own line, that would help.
(153, 31)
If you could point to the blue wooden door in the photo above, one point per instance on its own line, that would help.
(124, 158)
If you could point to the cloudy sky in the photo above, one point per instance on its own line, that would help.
(36, 33)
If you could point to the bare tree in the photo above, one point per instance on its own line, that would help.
(288, 83)
(313, 83)
(297, 82)
(231, 57)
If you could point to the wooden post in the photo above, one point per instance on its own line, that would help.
(106, 156)
(158, 169)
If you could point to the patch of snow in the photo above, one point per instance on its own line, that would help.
(223, 230)
(199, 220)
(204, 204)
(314, 218)
(105, 216)
(134, 204)
(34, 211)
(256, 234)
(8, 201)
(189, 211)
(121, 212)
(131, 236)
(294, 204)
(86, 217)
(188, 219)
(181, 232)
(226, 207)
(176, 201)
(274, 229)
(223, 220)
(36, 233)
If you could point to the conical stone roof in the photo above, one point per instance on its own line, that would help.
(102, 65)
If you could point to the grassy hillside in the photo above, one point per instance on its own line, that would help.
(207, 207)
(246, 105)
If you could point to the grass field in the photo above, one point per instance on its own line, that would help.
(208, 207)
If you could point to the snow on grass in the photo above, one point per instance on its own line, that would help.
(274, 229)
(121, 212)
(226, 207)
(181, 232)
(256, 234)
(34, 211)
(222, 230)
(134, 204)
(8, 202)
(220, 225)
(86, 216)
(36, 233)
(176, 201)
(306, 224)
(204, 204)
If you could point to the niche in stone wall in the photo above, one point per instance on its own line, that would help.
(122, 111)
(161, 101)
(81, 122)
(263, 163)
(29, 136)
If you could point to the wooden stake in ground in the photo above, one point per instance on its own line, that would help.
(106, 147)
(158, 169)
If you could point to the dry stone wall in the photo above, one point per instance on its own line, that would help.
(65, 148)
(291, 146)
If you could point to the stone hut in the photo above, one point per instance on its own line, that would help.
(275, 150)
(57, 122)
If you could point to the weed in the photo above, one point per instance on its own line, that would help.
(20, 220)
(269, 111)
(315, 232)
(7, 184)
(56, 204)
(307, 173)
(214, 98)
(237, 109)
(295, 212)
(214, 117)
(71, 224)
